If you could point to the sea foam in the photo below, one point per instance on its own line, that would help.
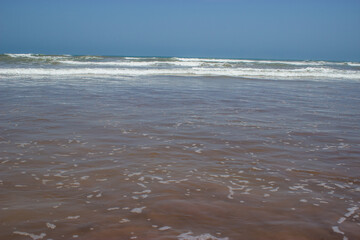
(301, 74)
(40, 66)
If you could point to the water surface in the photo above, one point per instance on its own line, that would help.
(168, 148)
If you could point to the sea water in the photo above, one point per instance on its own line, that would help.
(95, 147)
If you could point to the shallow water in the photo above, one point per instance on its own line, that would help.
(178, 157)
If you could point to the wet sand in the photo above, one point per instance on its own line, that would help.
(179, 158)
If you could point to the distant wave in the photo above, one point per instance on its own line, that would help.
(48, 57)
(36, 65)
(306, 73)
(69, 59)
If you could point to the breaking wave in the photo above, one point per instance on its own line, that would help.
(36, 65)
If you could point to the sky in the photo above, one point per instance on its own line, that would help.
(248, 29)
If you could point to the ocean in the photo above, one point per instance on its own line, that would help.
(99, 147)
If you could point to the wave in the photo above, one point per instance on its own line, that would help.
(296, 63)
(145, 61)
(353, 64)
(132, 64)
(281, 74)
(48, 57)
(37, 65)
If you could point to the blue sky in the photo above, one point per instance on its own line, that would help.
(288, 29)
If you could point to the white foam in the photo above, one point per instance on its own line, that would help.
(124, 220)
(231, 193)
(32, 236)
(101, 179)
(134, 174)
(301, 187)
(206, 236)
(48, 57)
(173, 181)
(38, 57)
(20, 55)
(132, 64)
(351, 211)
(310, 73)
(137, 210)
(353, 64)
(113, 208)
(115, 63)
(85, 177)
(145, 61)
(50, 225)
(145, 191)
(337, 230)
(164, 228)
(341, 220)
(296, 63)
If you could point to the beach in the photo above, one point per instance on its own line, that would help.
(95, 147)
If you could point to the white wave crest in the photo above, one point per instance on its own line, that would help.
(352, 64)
(174, 61)
(258, 73)
(49, 57)
(133, 63)
(271, 62)
(20, 55)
